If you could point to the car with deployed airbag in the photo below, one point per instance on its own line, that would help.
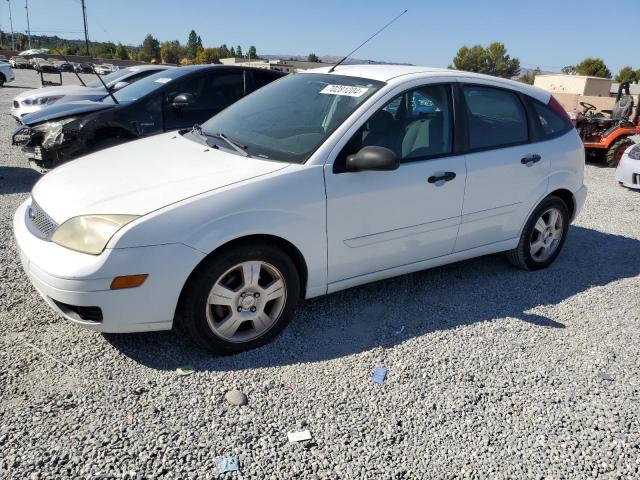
(315, 183)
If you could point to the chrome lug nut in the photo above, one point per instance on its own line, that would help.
(253, 309)
(239, 309)
(256, 295)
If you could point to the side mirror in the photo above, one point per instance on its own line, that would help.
(182, 100)
(118, 86)
(372, 158)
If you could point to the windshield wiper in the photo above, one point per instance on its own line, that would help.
(197, 130)
(238, 147)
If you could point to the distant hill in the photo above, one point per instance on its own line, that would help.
(330, 59)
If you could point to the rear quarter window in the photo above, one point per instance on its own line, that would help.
(551, 122)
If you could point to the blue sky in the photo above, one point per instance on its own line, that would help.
(544, 33)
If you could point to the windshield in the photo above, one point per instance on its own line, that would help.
(110, 78)
(288, 119)
(146, 85)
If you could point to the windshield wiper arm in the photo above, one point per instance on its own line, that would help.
(238, 147)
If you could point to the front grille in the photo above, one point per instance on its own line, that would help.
(16, 104)
(41, 221)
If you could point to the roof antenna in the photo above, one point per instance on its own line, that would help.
(358, 47)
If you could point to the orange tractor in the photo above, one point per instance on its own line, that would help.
(606, 138)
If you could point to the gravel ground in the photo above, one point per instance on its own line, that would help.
(493, 372)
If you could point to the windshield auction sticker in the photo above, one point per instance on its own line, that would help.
(344, 90)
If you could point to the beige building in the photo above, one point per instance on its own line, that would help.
(574, 84)
(286, 66)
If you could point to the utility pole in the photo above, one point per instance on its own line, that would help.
(26, 6)
(13, 39)
(86, 31)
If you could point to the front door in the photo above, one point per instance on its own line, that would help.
(210, 92)
(380, 220)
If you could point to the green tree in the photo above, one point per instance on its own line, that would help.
(193, 44)
(150, 49)
(490, 60)
(253, 54)
(208, 55)
(170, 52)
(593, 67)
(530, 77)
(224, 51)
(627, 74)
(312, 57)
(232, 52)
(239, 51)
(569, 70)
(121, 52)
(104, 50)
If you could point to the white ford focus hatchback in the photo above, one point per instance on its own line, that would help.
(315, 183)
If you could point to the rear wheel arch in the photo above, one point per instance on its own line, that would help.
(567, 197)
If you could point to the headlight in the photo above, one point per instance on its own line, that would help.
(90, 233)
(634, 153)
(47, 100)
(53, 132)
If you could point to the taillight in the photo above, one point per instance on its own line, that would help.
(554, 105)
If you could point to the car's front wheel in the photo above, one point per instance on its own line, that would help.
(543, 235)
(240, 298)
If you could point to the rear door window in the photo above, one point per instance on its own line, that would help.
(496, 117)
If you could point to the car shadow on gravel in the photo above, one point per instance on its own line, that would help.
(386, 313)
(17, 179)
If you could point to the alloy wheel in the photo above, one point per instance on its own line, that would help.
(246, 301)
(547, 234)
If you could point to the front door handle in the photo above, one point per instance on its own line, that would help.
(441, 177)
(530, 159)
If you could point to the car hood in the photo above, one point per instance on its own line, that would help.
(60, 90)
(66, 109)
(139, 177)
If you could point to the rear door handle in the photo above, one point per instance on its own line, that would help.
(530, 159)
(441, 177)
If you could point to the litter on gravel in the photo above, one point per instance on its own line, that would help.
(182, 371)
(379, 375)
(299, 436)
(228, 464)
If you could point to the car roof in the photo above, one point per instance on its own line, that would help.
(138, 68)
(399, 73)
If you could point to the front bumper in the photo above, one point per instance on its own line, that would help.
(628, 172)
(18, 111)
(65, 278)
(43, 159)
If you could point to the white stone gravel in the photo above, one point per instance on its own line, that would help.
(493, 372)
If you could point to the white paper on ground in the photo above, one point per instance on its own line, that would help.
(299, 436)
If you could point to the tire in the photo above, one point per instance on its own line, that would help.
(239, 315)
(2, 80)
(530, 254)
(615, 151)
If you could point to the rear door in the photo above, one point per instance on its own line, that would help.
(506, 172)
(211, 91)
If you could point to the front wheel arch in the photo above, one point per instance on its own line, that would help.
(287, 247)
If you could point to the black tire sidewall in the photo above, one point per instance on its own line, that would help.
(610, 157)
(527, 232)
(193, 314)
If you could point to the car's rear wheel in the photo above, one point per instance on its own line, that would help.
(543, 235)
(616, 150)
(240, 299)
(2, 80)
